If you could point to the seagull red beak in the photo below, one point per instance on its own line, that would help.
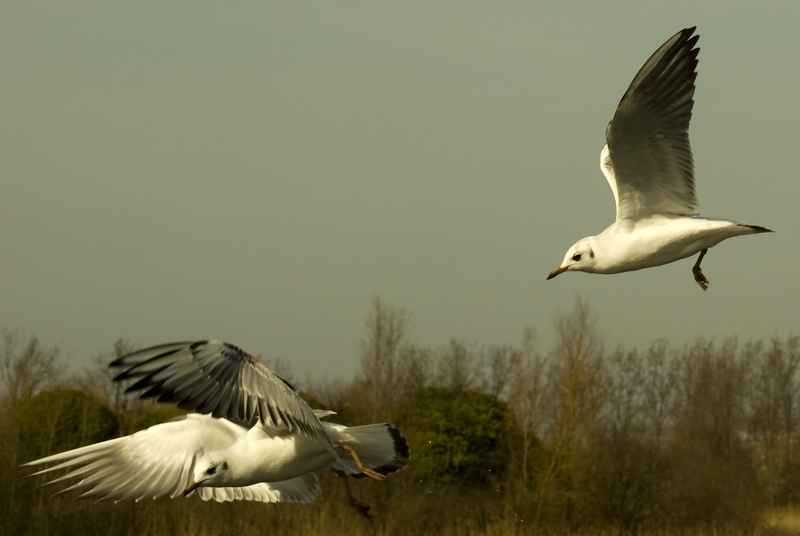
(559, 270)
(190, 488)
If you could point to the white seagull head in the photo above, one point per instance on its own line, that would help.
(210, 470)
(580, 257)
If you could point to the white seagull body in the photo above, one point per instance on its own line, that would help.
(648, 163)
(273, 461)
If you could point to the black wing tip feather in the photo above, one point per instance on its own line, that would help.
(659, 69)
(125, 360)
(289, 385)
(759, 229)
(683, 51)
(685, 37)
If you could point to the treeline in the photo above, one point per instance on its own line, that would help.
(578, 439)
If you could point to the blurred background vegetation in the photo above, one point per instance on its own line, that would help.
(576, 439)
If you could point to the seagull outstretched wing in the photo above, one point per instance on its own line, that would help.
(220, 379)
(648, 160)
(159, 461)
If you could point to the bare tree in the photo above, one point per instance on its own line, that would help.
(501, 364)
(415, 367)
(578, 383)
(380, 356)
(528, 400)
(457, 367)
(774, 414)
(27, 367)
(623, 484)
(626, 392)
(98, 379)
(660, 387)
(707, 437)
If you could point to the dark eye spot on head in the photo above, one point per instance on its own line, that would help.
(576, 257)
(211, 470)
(591, 253)
(224, 465)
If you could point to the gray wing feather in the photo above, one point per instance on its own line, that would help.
(220, 379)
(648, 136)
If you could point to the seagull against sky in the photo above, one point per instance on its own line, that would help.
(273, 461)
(648, 163)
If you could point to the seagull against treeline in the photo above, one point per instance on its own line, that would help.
(648, 163)
(273, 461)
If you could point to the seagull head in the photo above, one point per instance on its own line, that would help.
(580, 257)
(208, 472)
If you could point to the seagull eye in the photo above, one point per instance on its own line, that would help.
(211, 470)
(576, 257)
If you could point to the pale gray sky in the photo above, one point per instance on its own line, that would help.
(258, 171)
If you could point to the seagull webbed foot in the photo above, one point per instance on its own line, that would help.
(360, 508)
(698, 273)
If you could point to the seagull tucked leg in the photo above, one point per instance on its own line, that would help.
(698, 273)
(369, 472)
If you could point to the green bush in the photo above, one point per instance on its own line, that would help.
(56, 421)
(457, 435)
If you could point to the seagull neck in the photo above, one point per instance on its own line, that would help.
(240, 471)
